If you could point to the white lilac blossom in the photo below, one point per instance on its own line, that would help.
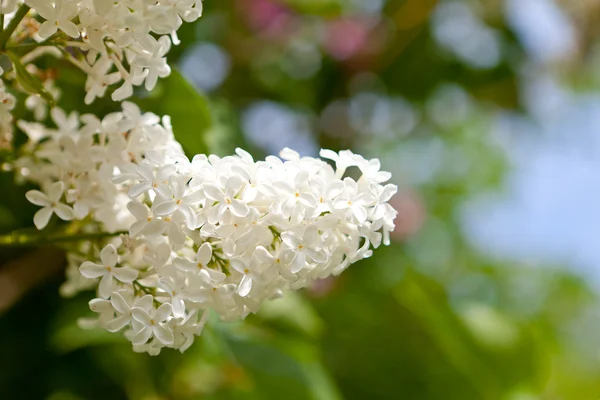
(74, 164)
(204, 235)
(121, 42)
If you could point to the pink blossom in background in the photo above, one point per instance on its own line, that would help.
(411, 215)
(345, 38)
(268, 17)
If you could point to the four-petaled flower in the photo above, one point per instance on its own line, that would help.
(50, 203)
(107, 270)
(150, 323)
(57, 16)
(305, 247)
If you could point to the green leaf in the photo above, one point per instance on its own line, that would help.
(224, 135)
(273, 371)
(279, 366)
(426, 301)
(188, 108)
(329, 8)
(66, 334)
(293, 311)
(71, 337)
(30, 83)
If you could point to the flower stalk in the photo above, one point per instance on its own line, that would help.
(21, 238)
(12, 26)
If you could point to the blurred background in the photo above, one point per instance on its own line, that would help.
(487, 112)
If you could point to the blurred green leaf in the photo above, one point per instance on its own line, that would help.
(321, 384)
(425, 300)
(490, 327)
(188, 108)
(317, 7)
(72, 337)
(294, 311)
(274, 372)
(274, 365)
(30, 83)
(68, 336)
(131, 370)
(281, 368)
(224, 136)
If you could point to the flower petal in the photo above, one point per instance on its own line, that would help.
(178, 307)
(163, 312)
(239, 208)
(191, 218)
(165, 208)
(69, 28)
(55, 191)
(119, 303)
(145, 302)
(105, 287)
(299, 263)
(138, 210)
(360, 213)
(142, 336)
(41, 218)
(213, 192)
(165, 284)
(140, 315)
(118, 323)
(215, 275)
(263, 255)
(136, 228)
(311, 234)
(204, 253)
(38, 198)
(176, 235)
(238, 265)
(329, 154)
(109, 256)
(138, 189)
(125, 274)
(184, 264)
(387, 192)
(154, 228)
(290, 239)
(245, 286)
(92, 270)
(47, 29)
(164, 335)
(64, 212)
(100, 305)
(317, 256)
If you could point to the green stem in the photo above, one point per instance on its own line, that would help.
(12, 26)
(1, 22)
(141, 288)
(30, 46)
(17, 238)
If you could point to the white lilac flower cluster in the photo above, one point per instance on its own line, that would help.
(74, 164)
(210, 234)
(122, 41)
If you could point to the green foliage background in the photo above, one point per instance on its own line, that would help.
(396, 326)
